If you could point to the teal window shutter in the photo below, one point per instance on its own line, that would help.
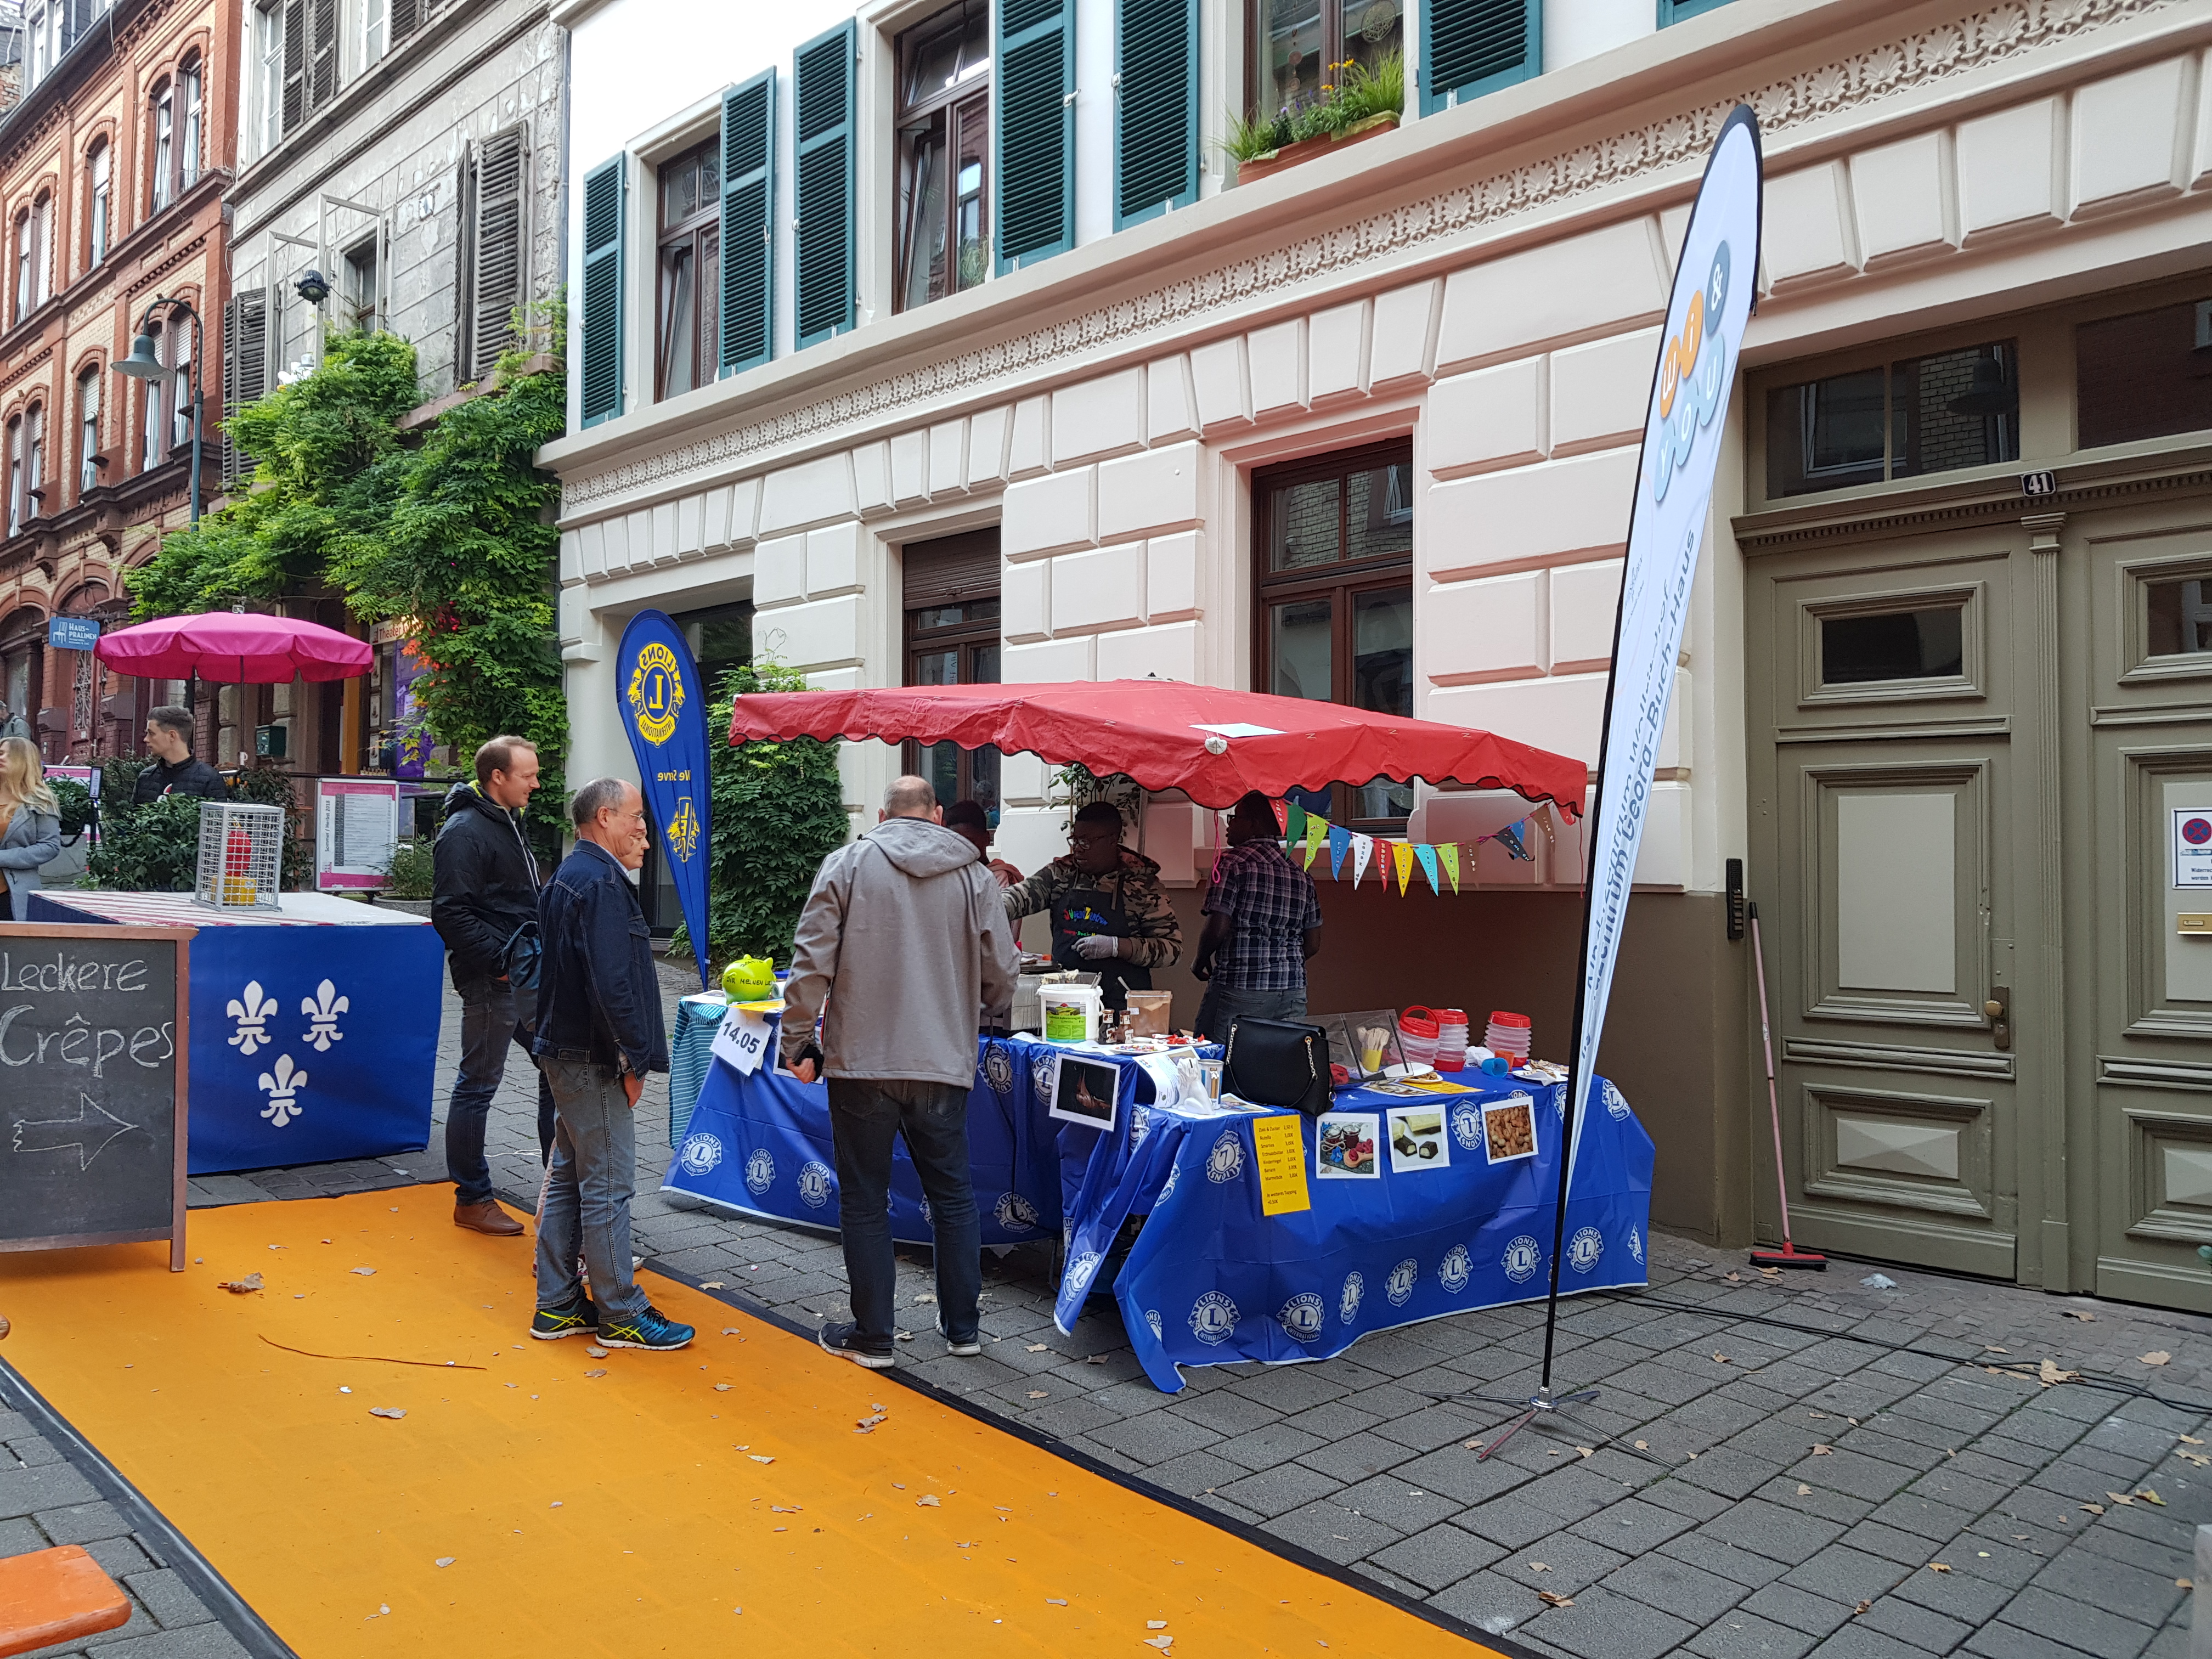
(605, 186)
(822, 77)
(1673, 11)
(1155, 108)
(1035, 130)
(748, 223)
(1469, 47)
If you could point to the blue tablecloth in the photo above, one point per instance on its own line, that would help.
(761, 1145)
(1210, 1279)
(283, 1070)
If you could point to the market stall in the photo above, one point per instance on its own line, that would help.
(315, 1024)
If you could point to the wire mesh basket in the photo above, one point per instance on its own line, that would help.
(241, 856)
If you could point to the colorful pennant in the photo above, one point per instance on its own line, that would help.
(1402, 852)
(1428, 857)
(1361, 846)
(1339, 843)
(1294, 821)
(1448, 854)
(1316, 829)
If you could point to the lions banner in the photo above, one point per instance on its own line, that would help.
(1715, 281)
(664, 709)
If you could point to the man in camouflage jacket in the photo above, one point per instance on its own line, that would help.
(1109, 913)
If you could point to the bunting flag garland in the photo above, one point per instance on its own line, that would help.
(1403, 852)
(1449, 855)
(1428, 857)
(1361, 846)
(1438, 861)
(1316, 829)
(1339, 843)
(1511, 836)
(1282, 814)
(1294, 821)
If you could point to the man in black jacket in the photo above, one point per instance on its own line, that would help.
(176, 770)
(486, 888)
(599, 1031)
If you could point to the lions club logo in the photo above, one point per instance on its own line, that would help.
(1451, 1271)
(760, 1171)
(656, 692)
(1042, 1064)
(1467, 1126)
(1302, 1316)
(1226, 1161)
(1635, 1246)
(1347, 1301)
(701, 1153)
(1167, 1187)
(1584, 1248)
(999, 1069)
(1213, 1319)
(1521, 1258)
(815, 1184)
(1400, 1285)
(1080, 1271)
(1015, 1213)
(1615, 1104)
(1140, 1123)
(1152, 1318)
(683, 830)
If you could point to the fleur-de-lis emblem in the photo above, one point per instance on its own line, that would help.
(322, 1011)
(253, 1012)
(283, 1082)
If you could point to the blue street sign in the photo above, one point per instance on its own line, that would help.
(72, 633)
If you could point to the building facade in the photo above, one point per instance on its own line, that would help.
(112, 164)
(1013, 376)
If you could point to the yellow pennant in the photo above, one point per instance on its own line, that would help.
(1401, 853)
(1316, 834)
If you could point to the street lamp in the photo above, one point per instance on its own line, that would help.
(144, 363)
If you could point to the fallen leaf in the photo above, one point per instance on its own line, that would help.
(1863, 1606)
(2197, 1458)
(395, 1413)
(599, 1371)
(1036, 1393)
(929, 1500)
(1094, 1360)
(2155, 1356)
(731, 1330)
(1055, 1601)
(867, 1424)
(786, 1508)
(1033, 1348)
(712, 1285)
(1471, 1445)
(1804, 1491)
(596, 1353)
(445, 1561)
(1823, 1451)
(2185, 1583)
(1735, 1278)
(1551, 1600)
(2094, 1509)
(1719, 1358)
(1586, 1451)
(1819, 1417)
(240, 1286)
(758, 1458)
(1939, 1566)
(2077, 1313)
(925, 1297)
(1162, 1643)
(901, 1336)
(2190, 1438)
(721, 1387)
(1987, 1349)
(1538, 1566)
(366, 1273)
(2120, 1497)
(2050, 1373)
(2150, 1496)
(1156, 1624)
(1641, 1445)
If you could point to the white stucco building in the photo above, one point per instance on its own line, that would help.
(1015, 378)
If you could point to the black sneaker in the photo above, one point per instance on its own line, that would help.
(844, 1339)
(648, 1328)
(578, 1318)
(967, 1350)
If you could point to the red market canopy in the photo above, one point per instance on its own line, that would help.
(233, 647)
(1213, 744)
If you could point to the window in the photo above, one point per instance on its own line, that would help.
(179, 385)
(42, 249)
(2180, 617)
(269, 80)
(951, 638)
(27, 248)
(1893, 645)
(189, 122)
(690, 270)
(88, 429)
(1922, 415)
(357, 284)
(2145, 375)
(14, 479)
(154, 408)
(100, 168)
(944, 138)
(165, 145)
(1300, 41)
(1470, 47)
(375, 16)
(1334, 557)
(34, 461)
(493, 250)
(1676, 11)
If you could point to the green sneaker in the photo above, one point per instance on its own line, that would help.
(578, 1318)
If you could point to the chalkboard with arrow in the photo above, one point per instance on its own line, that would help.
(93, 1086)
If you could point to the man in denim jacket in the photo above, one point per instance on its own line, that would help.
(599, 1031)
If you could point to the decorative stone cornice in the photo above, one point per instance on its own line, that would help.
(1991, 36)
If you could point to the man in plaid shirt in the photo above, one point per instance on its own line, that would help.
(1262, 924)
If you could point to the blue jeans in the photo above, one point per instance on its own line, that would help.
(865, 1114)
(488, 1025)
(1224, 1003)
(587, 1191)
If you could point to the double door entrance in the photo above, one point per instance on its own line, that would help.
(1978, 753)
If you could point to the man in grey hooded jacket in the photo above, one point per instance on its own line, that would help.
(906, 936)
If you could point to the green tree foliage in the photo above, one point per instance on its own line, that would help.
(446, 532)
(778, 813)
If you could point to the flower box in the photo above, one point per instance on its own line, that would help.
(1277, 161)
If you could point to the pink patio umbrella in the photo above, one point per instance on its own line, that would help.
(233, 647)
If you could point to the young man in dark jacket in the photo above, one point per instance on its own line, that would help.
(176, 770)
(599, 1032)
(486, 888)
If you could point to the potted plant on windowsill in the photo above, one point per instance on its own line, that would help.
(1366, 103)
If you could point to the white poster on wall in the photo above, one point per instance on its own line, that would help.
(357, 832)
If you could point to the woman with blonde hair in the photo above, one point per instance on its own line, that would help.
(30, 824)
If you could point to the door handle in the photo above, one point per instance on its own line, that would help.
(1999, 1010)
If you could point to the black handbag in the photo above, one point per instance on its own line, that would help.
(1277, 1062)
(523, 955)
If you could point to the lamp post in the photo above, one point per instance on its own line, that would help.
(144, 363)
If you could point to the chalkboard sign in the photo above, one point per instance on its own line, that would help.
(93, 1042)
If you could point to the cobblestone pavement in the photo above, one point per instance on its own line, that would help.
(1772, 1469)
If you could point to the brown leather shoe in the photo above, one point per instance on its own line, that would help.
(486, 1217)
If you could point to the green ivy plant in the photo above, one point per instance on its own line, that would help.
(448, 532)
(778, 813)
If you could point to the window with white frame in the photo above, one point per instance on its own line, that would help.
(189, 121)
(88, 429)
(42, 249)
(154, 411)
(25, 250)
(34, 460)
(100, 205)
(269, 76)
(179, 383)
(375, 29)
(165, 146)
(15, 475)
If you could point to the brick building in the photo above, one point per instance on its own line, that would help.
(112, 164)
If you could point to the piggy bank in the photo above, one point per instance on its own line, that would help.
(749, 979)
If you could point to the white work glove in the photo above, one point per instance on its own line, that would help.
(1097, 947)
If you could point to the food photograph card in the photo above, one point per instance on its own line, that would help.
(1508, 1128)
(1418, 1139)
(1345, 1148)
(1084, 1091)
